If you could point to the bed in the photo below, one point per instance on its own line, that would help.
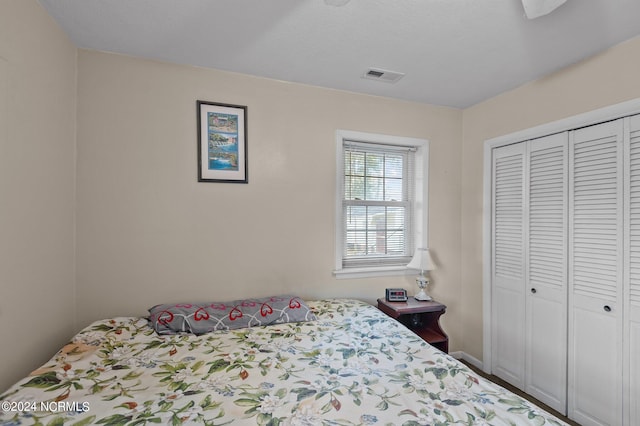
(349, 365)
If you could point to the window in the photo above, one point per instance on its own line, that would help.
(380, 203)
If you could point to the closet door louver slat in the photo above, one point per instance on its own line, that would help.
(634, 212)
(508, 216)
(596, 216)
(547, 188)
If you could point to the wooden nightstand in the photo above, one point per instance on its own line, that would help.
(423, 318)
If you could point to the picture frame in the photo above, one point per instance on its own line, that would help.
(222, 142)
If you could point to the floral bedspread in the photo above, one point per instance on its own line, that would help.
(353, 366)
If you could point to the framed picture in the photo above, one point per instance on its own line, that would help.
(222, 142)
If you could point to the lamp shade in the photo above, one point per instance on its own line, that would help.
(422, 260)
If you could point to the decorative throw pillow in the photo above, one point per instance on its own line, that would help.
(199, 318)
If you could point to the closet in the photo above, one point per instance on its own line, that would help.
(529, 312)
(565, 270)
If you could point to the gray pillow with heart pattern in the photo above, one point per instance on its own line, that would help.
(201, 318)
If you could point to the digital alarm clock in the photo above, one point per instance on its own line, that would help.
(396, 295)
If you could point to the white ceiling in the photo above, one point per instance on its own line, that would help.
(454, 52)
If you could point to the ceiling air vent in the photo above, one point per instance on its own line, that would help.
(382, 75)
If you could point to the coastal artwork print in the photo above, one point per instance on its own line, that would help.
(222, 142)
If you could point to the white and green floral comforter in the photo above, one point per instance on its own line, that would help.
(353, 366)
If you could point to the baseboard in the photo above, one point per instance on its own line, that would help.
(468, 358)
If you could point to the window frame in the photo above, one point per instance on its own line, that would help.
(419, 213)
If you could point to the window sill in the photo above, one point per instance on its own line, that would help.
(378, 271)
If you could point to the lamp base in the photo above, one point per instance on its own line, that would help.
(422, 282)
(422, 296)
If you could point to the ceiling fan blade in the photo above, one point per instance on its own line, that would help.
(536, 8)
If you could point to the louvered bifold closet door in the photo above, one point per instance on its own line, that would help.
(546, 295)
(632, 269)
(508, 263)
(595, 274)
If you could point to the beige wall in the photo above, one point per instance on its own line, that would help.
(148, 232)
(606, 79)
(37, 154)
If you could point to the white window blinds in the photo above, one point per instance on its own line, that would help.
(378, 196)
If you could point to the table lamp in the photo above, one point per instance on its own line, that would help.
(422, 261)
